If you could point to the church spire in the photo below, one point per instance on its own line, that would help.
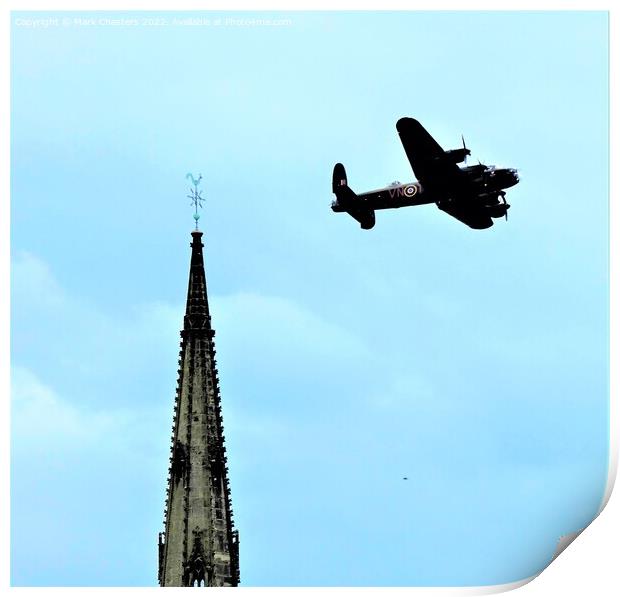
(197, 306)
(199, 546)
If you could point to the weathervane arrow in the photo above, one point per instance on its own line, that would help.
(195, 195)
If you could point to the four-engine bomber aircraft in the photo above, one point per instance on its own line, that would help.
(472, 194)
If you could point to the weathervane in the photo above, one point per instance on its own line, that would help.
(195, 195)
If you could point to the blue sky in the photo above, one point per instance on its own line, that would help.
(473, 362)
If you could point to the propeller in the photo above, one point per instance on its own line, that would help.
(502, 194)
(466, 151)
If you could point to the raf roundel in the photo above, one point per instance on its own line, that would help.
(411, 190)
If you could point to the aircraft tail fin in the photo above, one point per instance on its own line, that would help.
(348, 201)
(339, 178)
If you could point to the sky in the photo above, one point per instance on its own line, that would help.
(474, 363)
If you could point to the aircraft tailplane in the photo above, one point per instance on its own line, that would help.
(347, 200)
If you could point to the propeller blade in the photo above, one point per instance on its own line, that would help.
(465, 150)
(503, 196)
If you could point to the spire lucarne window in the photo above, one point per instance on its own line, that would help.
(199, 546)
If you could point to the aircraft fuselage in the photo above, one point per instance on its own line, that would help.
(483, 181)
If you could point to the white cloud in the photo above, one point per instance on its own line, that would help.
(407, 391)
(52, 326)
(40, 416)
(104, 380)
(272, 325)
(33, 282)
(87, 353)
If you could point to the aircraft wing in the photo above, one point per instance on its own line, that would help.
(429, 161)
(469, 214)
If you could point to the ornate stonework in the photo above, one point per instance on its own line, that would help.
(199, 546)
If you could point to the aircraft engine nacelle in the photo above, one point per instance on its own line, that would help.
(458, 155)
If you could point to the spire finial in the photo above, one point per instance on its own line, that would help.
(195, 195)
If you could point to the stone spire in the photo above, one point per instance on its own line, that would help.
(199, 546)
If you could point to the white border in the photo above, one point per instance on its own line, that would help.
(588, 565)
